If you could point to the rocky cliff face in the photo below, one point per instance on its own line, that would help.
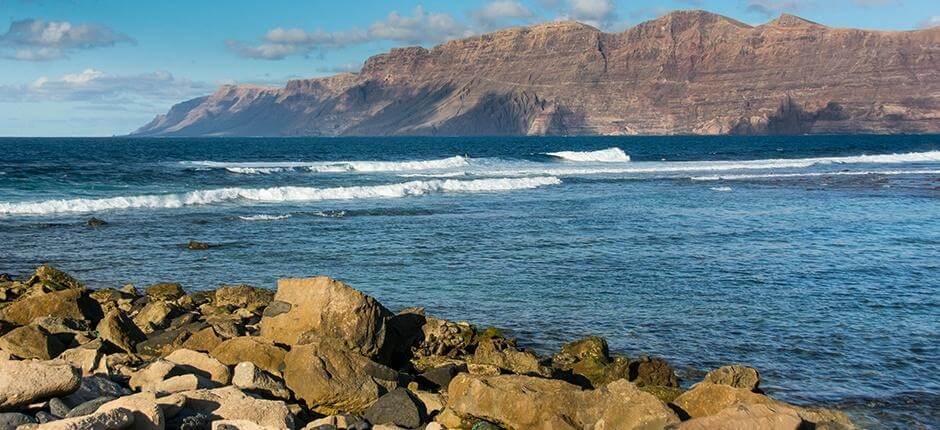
(689, 72)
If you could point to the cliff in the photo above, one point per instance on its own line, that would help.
(689, 72)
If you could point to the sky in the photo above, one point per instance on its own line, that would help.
(102, 68)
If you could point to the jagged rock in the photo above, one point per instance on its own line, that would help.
(229, 403)
(47, 379)
(54, 279)
(590, 362)
(195, 245)
(504, 355)
(147, 413)
(432, 402)
(155, 315)
(483, 369)
(96, 222)
(204, 340)
(441, 338)
(162, 342)
(517, 401)
(10, 420)
(399, 407)
(736, 376)
(89, 407)
(648, 371)
(90, 358)
(116, 419)
(747, 417)
(243, 296)
(330, 378)
(120, 331)
(69, 303)
(439, 377)
(257, 350)
(250, 377)
(166, 291)
(201, 364)
(326, 308)
(31, 342)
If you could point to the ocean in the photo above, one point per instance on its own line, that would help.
(814, 259)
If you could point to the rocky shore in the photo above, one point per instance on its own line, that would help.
(318, 354)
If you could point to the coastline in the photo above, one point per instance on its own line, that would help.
(318, 352)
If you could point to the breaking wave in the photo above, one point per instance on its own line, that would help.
(275, 194)
(609, 155)
(263, 167)
(813, 174)
(264, 217)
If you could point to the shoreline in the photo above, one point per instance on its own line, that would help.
(318, 352)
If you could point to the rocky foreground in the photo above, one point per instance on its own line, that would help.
(318, 354)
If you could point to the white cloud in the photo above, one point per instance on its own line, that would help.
(931, 22)
(95, 87)
(39, 40)
(500, 12)
(419, 28)
(598, 13)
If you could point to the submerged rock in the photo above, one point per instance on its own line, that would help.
(195, 245)
(95, 222)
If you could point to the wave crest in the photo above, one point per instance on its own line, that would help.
(263, 167)
(609, 155)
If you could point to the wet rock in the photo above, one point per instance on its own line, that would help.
(530, 402)
(398, 407)
(652, 371)
(204, 340)
(736, 376)
(31, 342)
(95, 222)
(120, 331)
(195, 245)
(10, 420)
(166, 291)
(243, 296)
(326, 308)
(230, 403)
(330, 378)
(69, 303)
(257, 350)
(47, 379)
(747, 417)
(504, 355)
(250, 377)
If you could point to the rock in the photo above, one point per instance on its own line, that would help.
(147, 413)
(58, 408)
(326, 308)
(190, 420)
(70, 303)
(330, 378)
(517, 401)
(736, 376)
(43, 417)
(10, 420)
(108, 420)
(166, 291)
(149, 377)
(249, 377)
(399, 407)
(204, 340)
(31, 342)
(194, 245)
(442, 338)
(237, 425)
(90, 358)
(94, 387)
(201, 364)
(155, 315)
(590, 363)
(243, 296)
(652, 371)
(257, 350)
(432, 402)
(120, 331)
(591, 347)
(747, 417)
(706, 398)
(339, 421)
(89, 407)
(483, 369)
(229, 403)
(439, 377)
(162, 342)
(181, 383)
(47, 379)
(95, 222)
(433, 426)
(504, 355)
(54, 279)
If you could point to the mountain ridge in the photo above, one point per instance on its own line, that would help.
(688, 72)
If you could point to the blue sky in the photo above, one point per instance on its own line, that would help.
(93, 68)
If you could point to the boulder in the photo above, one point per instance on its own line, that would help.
(58, 408)
(516, 401)
(399, 407)
(90, 358)
(736, 376)
(166, 291)
(747, 417)
(54, 279)
(115, 419)
(181, 383)
(237, 425)
(31, 342)
(89, 407)
(147, 413)
(120, 331)
(10, 420)
(439, 377)
(155, 315)
(149, 377)
(195, 245)
(47, 379)
(503, 354)
(257, 350)
(243, 296)
(330, 378)
(441, 338)
(250, 377)
(229, 403)
(204, 340)
(201, 364)
(162, 342)
(338, 421)
(94, 387)
(325, 308)
(589, 362)
(648, 371)
(70, 303)
(95, 222)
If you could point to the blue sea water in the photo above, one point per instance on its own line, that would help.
(814, 259)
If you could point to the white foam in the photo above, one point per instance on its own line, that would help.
(609, 155)
(813, 174)
(275, 195)
(721, 189)
(265, 167)
(264, 217)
